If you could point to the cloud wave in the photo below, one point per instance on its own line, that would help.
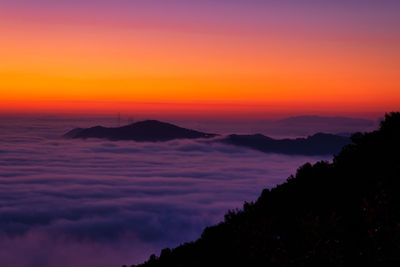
(103, 203)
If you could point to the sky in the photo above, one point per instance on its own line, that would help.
(210, 58)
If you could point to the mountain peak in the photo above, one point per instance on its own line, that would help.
(142, 131)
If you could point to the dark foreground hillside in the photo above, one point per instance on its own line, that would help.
(345, 213)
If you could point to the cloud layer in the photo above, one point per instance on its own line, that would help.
(102, 203)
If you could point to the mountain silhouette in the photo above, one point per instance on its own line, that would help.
(307, 125)
(154, 131)
(322, 120)
(317, 144)
(149, 130)
(344, 213)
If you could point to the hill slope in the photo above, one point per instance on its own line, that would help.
(345, 213)
(150, 130)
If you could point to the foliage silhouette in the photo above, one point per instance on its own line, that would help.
(344, 213)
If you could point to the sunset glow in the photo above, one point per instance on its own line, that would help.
(209, 56)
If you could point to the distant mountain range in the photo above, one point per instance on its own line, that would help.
(317, 144)
(311, 124)
(156, 131)
(143, 131)
(322, 120)
(291, 127)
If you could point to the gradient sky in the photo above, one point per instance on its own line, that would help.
(223, 57)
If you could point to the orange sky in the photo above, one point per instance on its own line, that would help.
(51, 64)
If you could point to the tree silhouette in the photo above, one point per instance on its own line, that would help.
(344, 213)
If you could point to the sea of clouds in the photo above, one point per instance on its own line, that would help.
(101, 203)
